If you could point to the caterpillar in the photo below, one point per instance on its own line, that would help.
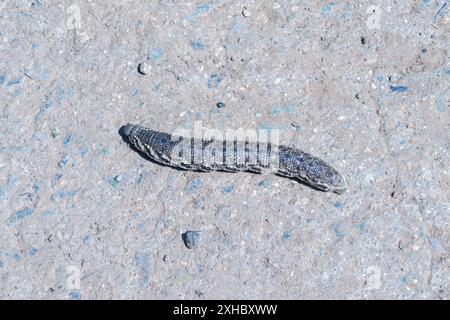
(196, 154)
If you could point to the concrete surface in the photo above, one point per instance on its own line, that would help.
(365, 86)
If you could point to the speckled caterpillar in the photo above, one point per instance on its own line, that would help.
(233, 156)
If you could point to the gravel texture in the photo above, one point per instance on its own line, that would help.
(363, 85)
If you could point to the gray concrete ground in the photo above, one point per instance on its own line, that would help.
(363, 85)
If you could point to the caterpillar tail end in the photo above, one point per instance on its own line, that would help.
(126, 130)
(342, 187)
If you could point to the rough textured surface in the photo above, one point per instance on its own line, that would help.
(364, 87)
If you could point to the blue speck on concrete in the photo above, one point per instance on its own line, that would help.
(21, 214)
(337, 230)
(264, 184)
(66, 194)
(214, 81)
(156, 54)
(68, 139)
(338, 205)
(105, 151)
(13, 82)
(228, 189)
(328, 8)
(115, 182)
(287, 235)
(196, 45)
(84, 151)
(2, 78)
(17, 257)
(33, 252)
(200, 10)
(36, 187)
(87, 240)
(47, 106)
(404, 279)
(398, 88)
(194, 185)
(16, 93)
(62, 163)
(143, 262)
(280, 110)
(75, 295)
(157, 87)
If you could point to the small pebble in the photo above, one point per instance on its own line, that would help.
(191, 239)
(220, 104)
(246, 13)
(142, 69)
(118, 178)
(55, 133)
(363, 40)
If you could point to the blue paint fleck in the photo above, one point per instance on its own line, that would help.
(337, 230)
(214, 81)
(404, 279)
(157, 87)
(62, 163)
(338, 205)
(156, 54)
(105, 151)
(142, 261)
(16, 93)
(194, 185)
(199, 11)
(64, 194)
(264, 184)
(13, 82)
(280, 110)
(398, 88)
(64, 94)
(68, 139)
(328, 8)
(228, 189)
(196, 45)
(83, 151)
(287, 235)
(36, 187)
(23, 213)
(75, 295)
(442, 102)
(33, 252)
(17, 257)
(87, 240)
(115, 181)
(2, 78)
(45, 107)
